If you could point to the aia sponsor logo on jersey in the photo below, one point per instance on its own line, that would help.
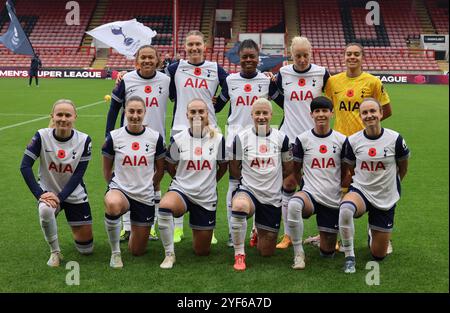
(349, 106)
(135, 160)
(196, 83)
(60, 167)
(198, 165)
(150, 102)
(246, 100)
(323, 163)
(262, 163)
(301, 95)
(372, 166)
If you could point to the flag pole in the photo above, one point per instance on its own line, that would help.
(174, 31)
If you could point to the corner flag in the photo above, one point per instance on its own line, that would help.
(15, 38)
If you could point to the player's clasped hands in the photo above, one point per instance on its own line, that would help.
(50, 199)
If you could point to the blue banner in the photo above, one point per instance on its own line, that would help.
(15, 38)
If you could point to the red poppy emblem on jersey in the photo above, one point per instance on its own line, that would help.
(323, 149)
(372, 152)
(301, 82)
(198, 151)
(135, 146)
(61, 154)
(248, 88)
(198, 71)
(148, 89)
(350, 93)
(263, 148)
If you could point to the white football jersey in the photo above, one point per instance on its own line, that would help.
(321, 159)
(194, 82)
(262, 157)
(155, 93)
(243, 92)
(134, 156)
(299, 88)
(197, 160)
(375, 162)
(58, 161)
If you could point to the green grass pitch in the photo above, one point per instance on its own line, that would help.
(420, 238)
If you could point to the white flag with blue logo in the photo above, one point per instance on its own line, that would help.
(124, 36)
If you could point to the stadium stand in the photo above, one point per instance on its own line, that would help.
(45, 24)
(387, 45)
(438, 10)
(263, 15)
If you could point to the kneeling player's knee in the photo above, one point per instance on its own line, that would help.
(112, 207)
(240, 205)
(85, 247)
(46, 212)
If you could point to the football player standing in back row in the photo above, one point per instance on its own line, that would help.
(379, 158)
(299, 83)
(64, 153)
(348, 89)
(153, 87)
(193, 78)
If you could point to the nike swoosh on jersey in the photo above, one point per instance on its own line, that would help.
(120, 147)
(288, 83)
(336, 92)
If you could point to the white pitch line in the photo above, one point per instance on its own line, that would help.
(48, 115)
(45, 117)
